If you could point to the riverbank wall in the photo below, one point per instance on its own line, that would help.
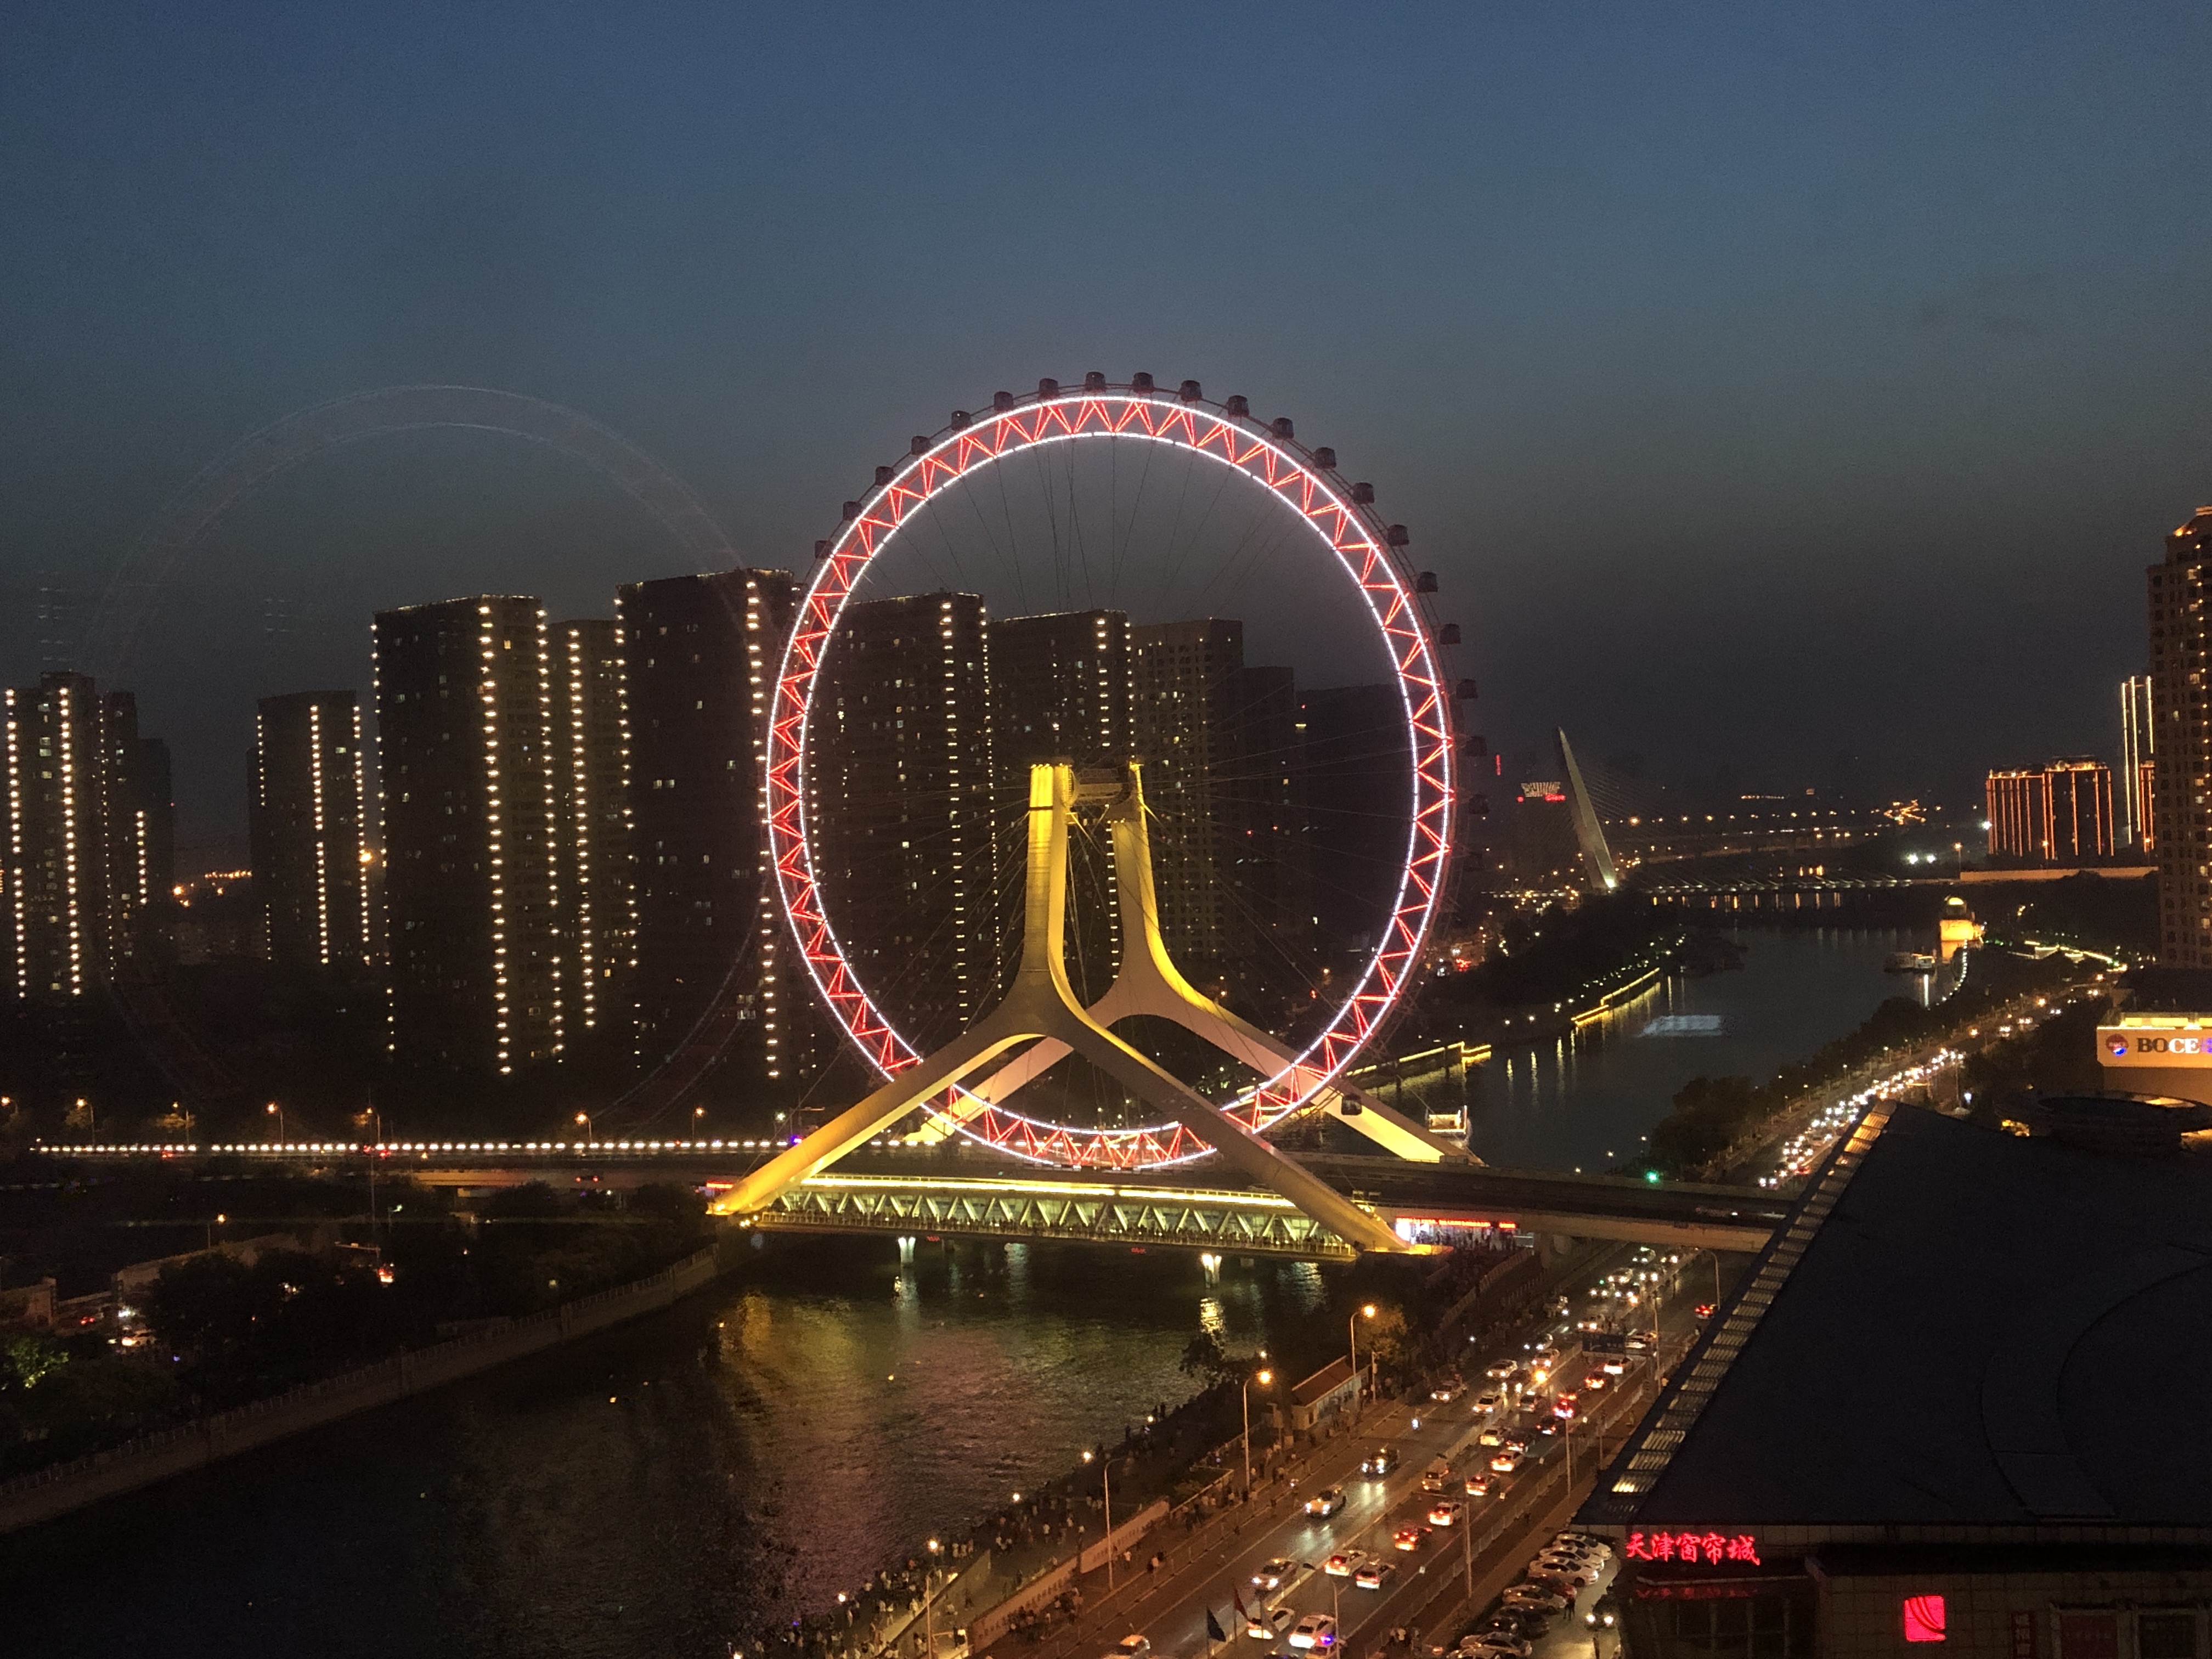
(46, 1494)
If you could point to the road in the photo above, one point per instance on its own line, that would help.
(1431, 1585)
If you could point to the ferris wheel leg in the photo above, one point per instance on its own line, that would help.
(858, 1124)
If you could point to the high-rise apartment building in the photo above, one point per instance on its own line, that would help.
(2018, 806)
(1062, 687)
(1225, 777)
(2060, 813)
(899, 784)
(87, 827)
(470, 819)
(2080, 790)
(308, 823)
(588, 749)
(1358, 813)
(2181, 745)
(700, 655)
(2136, 750)
(1189, 704)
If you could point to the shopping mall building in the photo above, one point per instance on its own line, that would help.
(1958, 1405)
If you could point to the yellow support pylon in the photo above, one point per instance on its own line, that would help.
(1040, 1006)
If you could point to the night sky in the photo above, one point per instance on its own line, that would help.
(1797, 389)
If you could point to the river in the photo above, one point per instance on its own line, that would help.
(669, 1489)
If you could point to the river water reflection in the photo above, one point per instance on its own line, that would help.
(671, 1488)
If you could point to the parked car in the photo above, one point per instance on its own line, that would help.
(1540, 1597)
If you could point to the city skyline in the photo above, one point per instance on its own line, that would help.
(1840, 392)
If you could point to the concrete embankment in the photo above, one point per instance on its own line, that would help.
(48, 1493)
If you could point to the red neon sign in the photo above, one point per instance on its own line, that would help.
(1924, 1618)
(1708, 1548)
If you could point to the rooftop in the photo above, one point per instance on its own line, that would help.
(1985, 1329)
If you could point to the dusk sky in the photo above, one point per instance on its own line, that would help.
(1767, 384)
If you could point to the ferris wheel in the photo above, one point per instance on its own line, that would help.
(1369, 591)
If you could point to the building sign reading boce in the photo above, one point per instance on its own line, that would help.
(2136, 1045)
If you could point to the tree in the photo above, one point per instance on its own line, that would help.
(1203, 1357)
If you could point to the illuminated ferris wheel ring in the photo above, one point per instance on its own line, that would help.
(1305, 481)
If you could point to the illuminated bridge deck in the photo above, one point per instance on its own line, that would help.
(900, 1192)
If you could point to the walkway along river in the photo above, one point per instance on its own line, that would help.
(739, 1459)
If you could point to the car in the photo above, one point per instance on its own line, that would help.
(1498, 1372)
(1375, 1575)
(1539, 1597)
(1604, 1613)
(1447, 1391)
(1537, 1404)
(1492, 1435)
(1565, 1406)
(1569, 1581)
(1637, 1344)
(1447, 1514)
(1580, 1562)
(1489, 1401)
(1315, 1630)
(1517, 1442)
(1550, 1425)
(1546, 1358)
(1380, 1461)
(1410, 1538)
(1615, 1365)
(1479, 1484)
(1326, 1501)
(1495, 1645)
(1273, 1574)
(1265, 1624)
(1596, 1378)
(1506, 1461)
(1132, 1646)
(1704, 1310)
(1584, 1542)
(1345, 1563)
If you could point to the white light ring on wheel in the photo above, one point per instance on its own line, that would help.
(1361, 546)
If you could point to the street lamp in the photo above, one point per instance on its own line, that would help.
(1263, 1378)
(278, 1112)
(929, 1603)
(590, 1136)
(698, 1118)
(1351, 1335)
(1106, 1488)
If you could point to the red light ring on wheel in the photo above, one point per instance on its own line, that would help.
(1350, 531)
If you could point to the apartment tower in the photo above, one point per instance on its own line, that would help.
(2180, 747)
(473, 912)
(700, 655)
(307, 821)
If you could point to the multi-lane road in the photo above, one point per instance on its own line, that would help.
(1454, 1566)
